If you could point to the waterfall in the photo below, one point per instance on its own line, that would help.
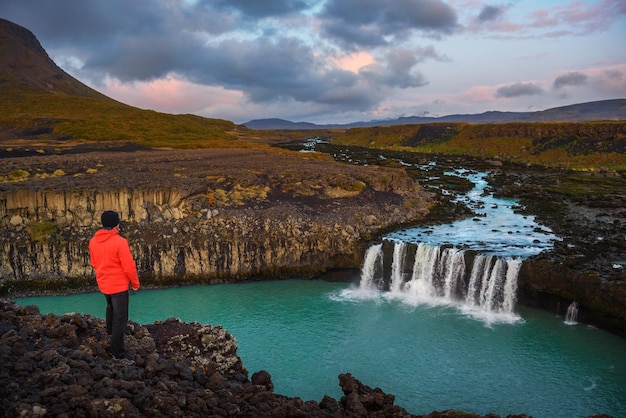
(436, 274)
(373, 256)
(571, 317)
(397, 266)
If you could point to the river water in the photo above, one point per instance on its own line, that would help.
(432, 357)
(439, 331)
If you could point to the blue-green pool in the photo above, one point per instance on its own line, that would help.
(305, 333)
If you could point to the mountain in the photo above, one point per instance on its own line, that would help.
(583, 112)
(24, 61)
(41, 102)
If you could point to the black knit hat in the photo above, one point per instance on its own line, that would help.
(110, 219)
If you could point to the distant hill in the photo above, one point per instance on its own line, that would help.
(609, 110)
(279, 124)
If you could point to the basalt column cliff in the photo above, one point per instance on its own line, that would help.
(195, 216)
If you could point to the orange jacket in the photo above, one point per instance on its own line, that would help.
(110, 257)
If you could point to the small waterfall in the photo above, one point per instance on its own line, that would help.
(443, 275)
(397, 266)
(571, 316)
(373, 257)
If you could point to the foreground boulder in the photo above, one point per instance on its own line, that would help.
(59, 366)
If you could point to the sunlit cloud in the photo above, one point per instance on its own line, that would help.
(172, 95)
(354, 61)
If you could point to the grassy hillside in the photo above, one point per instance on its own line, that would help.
(583, 146)
(32, 114)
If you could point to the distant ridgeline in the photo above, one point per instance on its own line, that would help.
(588, 145)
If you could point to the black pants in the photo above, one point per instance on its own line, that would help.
(117, 318)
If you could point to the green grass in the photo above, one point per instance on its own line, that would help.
(29, 113)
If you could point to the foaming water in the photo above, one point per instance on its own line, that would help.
(359, 294)
(434, 276)
(431, 356)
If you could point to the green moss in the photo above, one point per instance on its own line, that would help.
(19, 175)
(40, 231)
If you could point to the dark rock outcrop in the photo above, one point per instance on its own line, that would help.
(59, 366)
(588, 264)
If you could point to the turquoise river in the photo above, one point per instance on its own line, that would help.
(432, 357)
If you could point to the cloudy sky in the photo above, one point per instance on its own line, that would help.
(336, 61)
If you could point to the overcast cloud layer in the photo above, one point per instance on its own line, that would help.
(335, 61)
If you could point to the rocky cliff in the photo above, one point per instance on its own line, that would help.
(195, 216)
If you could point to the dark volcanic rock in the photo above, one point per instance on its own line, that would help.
(59, 366)
(588, 266)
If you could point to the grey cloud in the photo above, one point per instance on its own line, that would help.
(398, 71)
(143, 58)
(84, 23)
(283, 69)
(614, 75)
(91, 24)
(429, 52)
(146, 40)
(570, 79)
(387, 76)
(610, 82)
(352, 35)
(519, 89)
(372, 21)
(489, 13)
(257, 9)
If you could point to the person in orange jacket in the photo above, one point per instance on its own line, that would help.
(116, 271)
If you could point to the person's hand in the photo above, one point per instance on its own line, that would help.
(135, 288)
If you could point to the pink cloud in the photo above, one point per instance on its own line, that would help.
(355, 61)
(171, 95)
(608, 80)
(581, 16)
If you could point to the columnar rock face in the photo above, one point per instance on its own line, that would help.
(78, 207)
(553, 287)
(203, 216)
(165, 239)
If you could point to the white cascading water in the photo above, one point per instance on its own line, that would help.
(571, 316)
(373, 256)
(439, 275)
(397, 266)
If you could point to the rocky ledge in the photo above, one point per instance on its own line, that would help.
(59, 366)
